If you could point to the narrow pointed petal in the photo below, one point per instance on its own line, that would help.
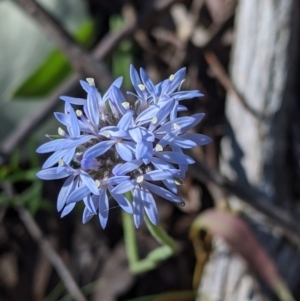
(73, 127)
(85, 85)
(52, 174)
(178, 78)
(176, 158)
(87, 215)
(147, 82)
(147, 115)
(54, 158)
(122, 201)
(74, 100)
(103, 208)
(127, 167)
(123, 151)
(98, 149)
(74, 142)
(93, 106)
(66, 189)
(50, 146)
(67, 158)
(78, 194)
(124, 187)
(162, 192)
(67, 209)
(138, 208)
(158, 175)
(62, 118)
(89, 182)
(150, 206)
(125, 121)
(89, 203)
(199, 139)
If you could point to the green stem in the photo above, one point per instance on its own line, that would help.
(156, 256)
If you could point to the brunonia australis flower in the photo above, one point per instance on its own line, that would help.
(112, 147)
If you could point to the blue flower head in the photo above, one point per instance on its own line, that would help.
(112, 147)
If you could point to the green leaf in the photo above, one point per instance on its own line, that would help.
(55, 68)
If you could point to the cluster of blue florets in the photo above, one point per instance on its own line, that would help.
(112, 147)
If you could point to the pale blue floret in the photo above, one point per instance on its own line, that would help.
(112, 147)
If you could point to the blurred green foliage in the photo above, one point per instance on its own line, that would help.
(25, 180)
(55, 68)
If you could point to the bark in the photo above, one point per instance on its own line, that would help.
(262, 149)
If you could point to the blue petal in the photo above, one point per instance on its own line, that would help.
(51, 174)
(93, 99)
(138, 208)
(89, 182)
(115, 180)
(181, 122)
(146, 115)
(54, 158)
(74, 100)
(121, 200)
(98, 149)
(87, 215)
(124, 187)
(50, 146)
(62, 118)
(103, 208)
(123, 151)
(164, 110)
(199, 139)
(117, 98)
(66, 189)
(69, 143)
(147, 82)
(135, 80)
(73, 127)
(162, 192)
(67, 158)
(196, 119)
(181, 95)
(90, 204)
(67, 209)
(158, 175)
(85, 86)
(150, 206)
(178, 78)
(176, 158)
(125, 121)
(127, 167)
(78, 194)
(170, 184)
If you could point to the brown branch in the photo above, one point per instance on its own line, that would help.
(45, 246)
(284, 221)
(104, 47)
(226, 82)
(79, 59)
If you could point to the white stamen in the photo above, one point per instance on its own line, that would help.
(90, 81)
(176, 126)
(142, 87)
(97, 183)
(61, 162)
(140, 179)
(154, 120)
(171, 78)
(61, 132)
(158, 148)
(181, 84)
(106, 134)
(79, 113)
(126, 105)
